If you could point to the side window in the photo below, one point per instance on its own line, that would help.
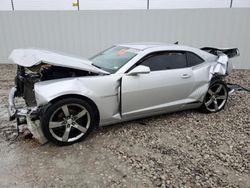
(193, 59)
(166, 60)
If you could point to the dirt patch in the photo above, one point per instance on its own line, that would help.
(181, 149)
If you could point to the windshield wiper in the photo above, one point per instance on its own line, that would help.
(99, 67)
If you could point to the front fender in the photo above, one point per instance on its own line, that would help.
(102, 90)
(49, 90)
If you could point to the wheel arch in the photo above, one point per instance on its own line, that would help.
(216, 78)
(91, 102)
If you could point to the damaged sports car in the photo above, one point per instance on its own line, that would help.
(67, 97)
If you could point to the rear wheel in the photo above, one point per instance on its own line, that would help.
(215, 98)
(68, 121)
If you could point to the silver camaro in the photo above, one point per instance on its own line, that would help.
(66, 97)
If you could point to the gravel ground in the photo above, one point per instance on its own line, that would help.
(184, 149)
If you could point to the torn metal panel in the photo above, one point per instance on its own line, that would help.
(35, 129)
(230, 52)
(221, 66)
(235, 87)
(224, 65)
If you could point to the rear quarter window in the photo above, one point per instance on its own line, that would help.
(193, 59)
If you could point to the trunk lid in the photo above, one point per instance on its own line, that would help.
(224, 65)
(31, 57)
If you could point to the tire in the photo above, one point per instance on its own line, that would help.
(68, 121)
(216, 97)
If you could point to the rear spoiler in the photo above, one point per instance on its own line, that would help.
(230, 52)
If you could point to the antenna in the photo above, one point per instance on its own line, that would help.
(177, 42)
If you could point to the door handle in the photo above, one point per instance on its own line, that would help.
(185, 76)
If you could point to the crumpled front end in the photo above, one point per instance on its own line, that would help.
(26, 115)
(35, 66)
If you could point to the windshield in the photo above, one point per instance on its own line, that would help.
(113, 58)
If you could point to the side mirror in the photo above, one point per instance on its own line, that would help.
(140, 69)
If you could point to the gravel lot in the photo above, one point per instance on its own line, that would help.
(184, 149)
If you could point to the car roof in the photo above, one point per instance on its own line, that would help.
(156, 46)
(145, 45)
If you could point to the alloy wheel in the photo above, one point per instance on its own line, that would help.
(69, 122)
(216, 97)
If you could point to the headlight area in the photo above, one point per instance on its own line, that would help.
(27, 116)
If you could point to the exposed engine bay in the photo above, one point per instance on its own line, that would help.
(28, 76)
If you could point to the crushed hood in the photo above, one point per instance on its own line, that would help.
(31, 57)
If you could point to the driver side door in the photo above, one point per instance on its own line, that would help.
(164, 88)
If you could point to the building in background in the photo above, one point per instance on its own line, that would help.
(88, 26)
(118, 4)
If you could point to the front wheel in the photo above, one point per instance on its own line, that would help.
(68, 121)
(215, 98)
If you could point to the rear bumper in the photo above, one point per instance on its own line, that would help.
(232, 88)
